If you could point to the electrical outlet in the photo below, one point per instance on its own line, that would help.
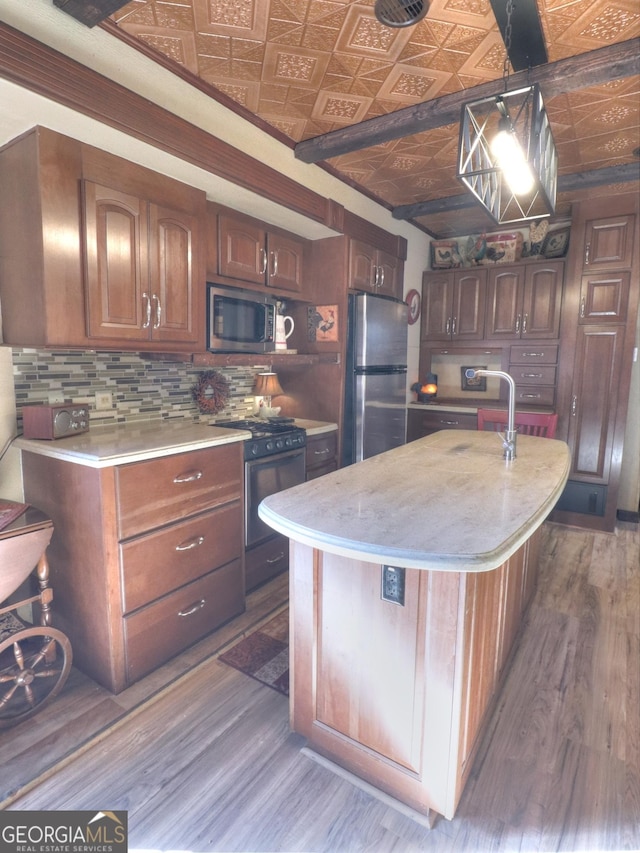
(104, 400)
(393, 584)
(55, 397)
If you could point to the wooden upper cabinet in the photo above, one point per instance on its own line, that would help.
(112, 253)
(608, 243)
(542, 300)
(285, 262)
(524, 301)
(604, 297)
(374, 270)
(250, 253)
(453, 305)
(140, 275)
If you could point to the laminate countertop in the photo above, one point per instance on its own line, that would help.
(447, 502)
(102, 447)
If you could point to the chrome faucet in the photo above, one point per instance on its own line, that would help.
(509, 437)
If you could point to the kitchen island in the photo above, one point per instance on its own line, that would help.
(410, 573)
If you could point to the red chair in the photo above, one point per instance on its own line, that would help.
(526, 423)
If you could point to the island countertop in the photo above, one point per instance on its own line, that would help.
(447, 502)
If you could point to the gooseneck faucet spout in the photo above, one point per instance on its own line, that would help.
(509, 437)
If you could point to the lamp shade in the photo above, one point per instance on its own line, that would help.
(267, 385)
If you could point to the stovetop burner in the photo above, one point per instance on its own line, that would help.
(275, 435)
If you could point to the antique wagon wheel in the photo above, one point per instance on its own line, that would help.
(34, 665)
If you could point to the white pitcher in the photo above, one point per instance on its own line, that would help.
(281, 330)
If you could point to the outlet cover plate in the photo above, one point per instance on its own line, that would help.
(104, 400)
(393, 584)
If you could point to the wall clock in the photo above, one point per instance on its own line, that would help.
(413, 301)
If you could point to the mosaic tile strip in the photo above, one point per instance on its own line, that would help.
(141, 390)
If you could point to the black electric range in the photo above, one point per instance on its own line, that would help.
(268, 436)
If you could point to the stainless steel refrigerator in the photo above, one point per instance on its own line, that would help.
(375, 411)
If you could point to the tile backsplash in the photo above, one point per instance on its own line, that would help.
(141, 389)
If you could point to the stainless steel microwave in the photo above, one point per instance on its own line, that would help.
(240, 320)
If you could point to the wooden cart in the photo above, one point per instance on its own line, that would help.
(34, 659)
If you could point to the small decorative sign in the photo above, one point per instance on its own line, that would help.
(477, 383)
(323, 323)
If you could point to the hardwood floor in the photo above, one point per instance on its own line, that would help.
(210, 763)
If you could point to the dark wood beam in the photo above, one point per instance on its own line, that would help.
(623, 174)
(527, 48)
(555, 78)
(90, 12)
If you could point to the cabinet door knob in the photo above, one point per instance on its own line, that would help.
(274, 264)
(582, 308)
(587, 249)
(448, 326)
(156, 300)
(147, 311)
(376, 276)
(454, 323)
(263, 262)
(189, 477)
(574, 405)
(518, 321)
(525, 319)
(381, 276)
(276, 559)
(197, 605)
(189, 544)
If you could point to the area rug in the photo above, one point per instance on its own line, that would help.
(264, 654)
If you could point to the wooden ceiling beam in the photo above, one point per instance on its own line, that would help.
(90, 12)
(614, 62)
(625, 173)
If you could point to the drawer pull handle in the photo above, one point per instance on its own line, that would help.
(321, 452)
(531, 375)
(449, 423)
(532, 354)
(277, 559)
(189, 477)
(191, 543)
(530, 396)
(197, 605)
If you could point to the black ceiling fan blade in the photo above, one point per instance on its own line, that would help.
(527, 39)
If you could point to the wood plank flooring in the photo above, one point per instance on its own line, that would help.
(210, 763)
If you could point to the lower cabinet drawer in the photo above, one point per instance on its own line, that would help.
(167, 626)
(159, 562)
(421, 423)
(538, 353)
(536, 395)
(269, 559)
(534, 375)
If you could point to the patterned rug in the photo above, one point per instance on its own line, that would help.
(264, 654)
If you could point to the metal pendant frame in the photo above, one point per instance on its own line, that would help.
(478, 171)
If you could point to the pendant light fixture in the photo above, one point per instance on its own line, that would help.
(506, 156)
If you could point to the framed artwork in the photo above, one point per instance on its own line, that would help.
(322, 323)
(556, 243)
(478, 383)
(413, 301)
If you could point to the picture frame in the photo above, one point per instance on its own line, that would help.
(322, 323)
(556, 243)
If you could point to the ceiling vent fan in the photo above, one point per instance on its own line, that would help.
(400, 13)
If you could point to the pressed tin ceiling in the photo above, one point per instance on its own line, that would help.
(311, 67)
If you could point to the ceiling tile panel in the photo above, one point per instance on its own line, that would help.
(310, 67)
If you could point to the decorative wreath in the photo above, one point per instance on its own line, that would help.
(211, 392)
